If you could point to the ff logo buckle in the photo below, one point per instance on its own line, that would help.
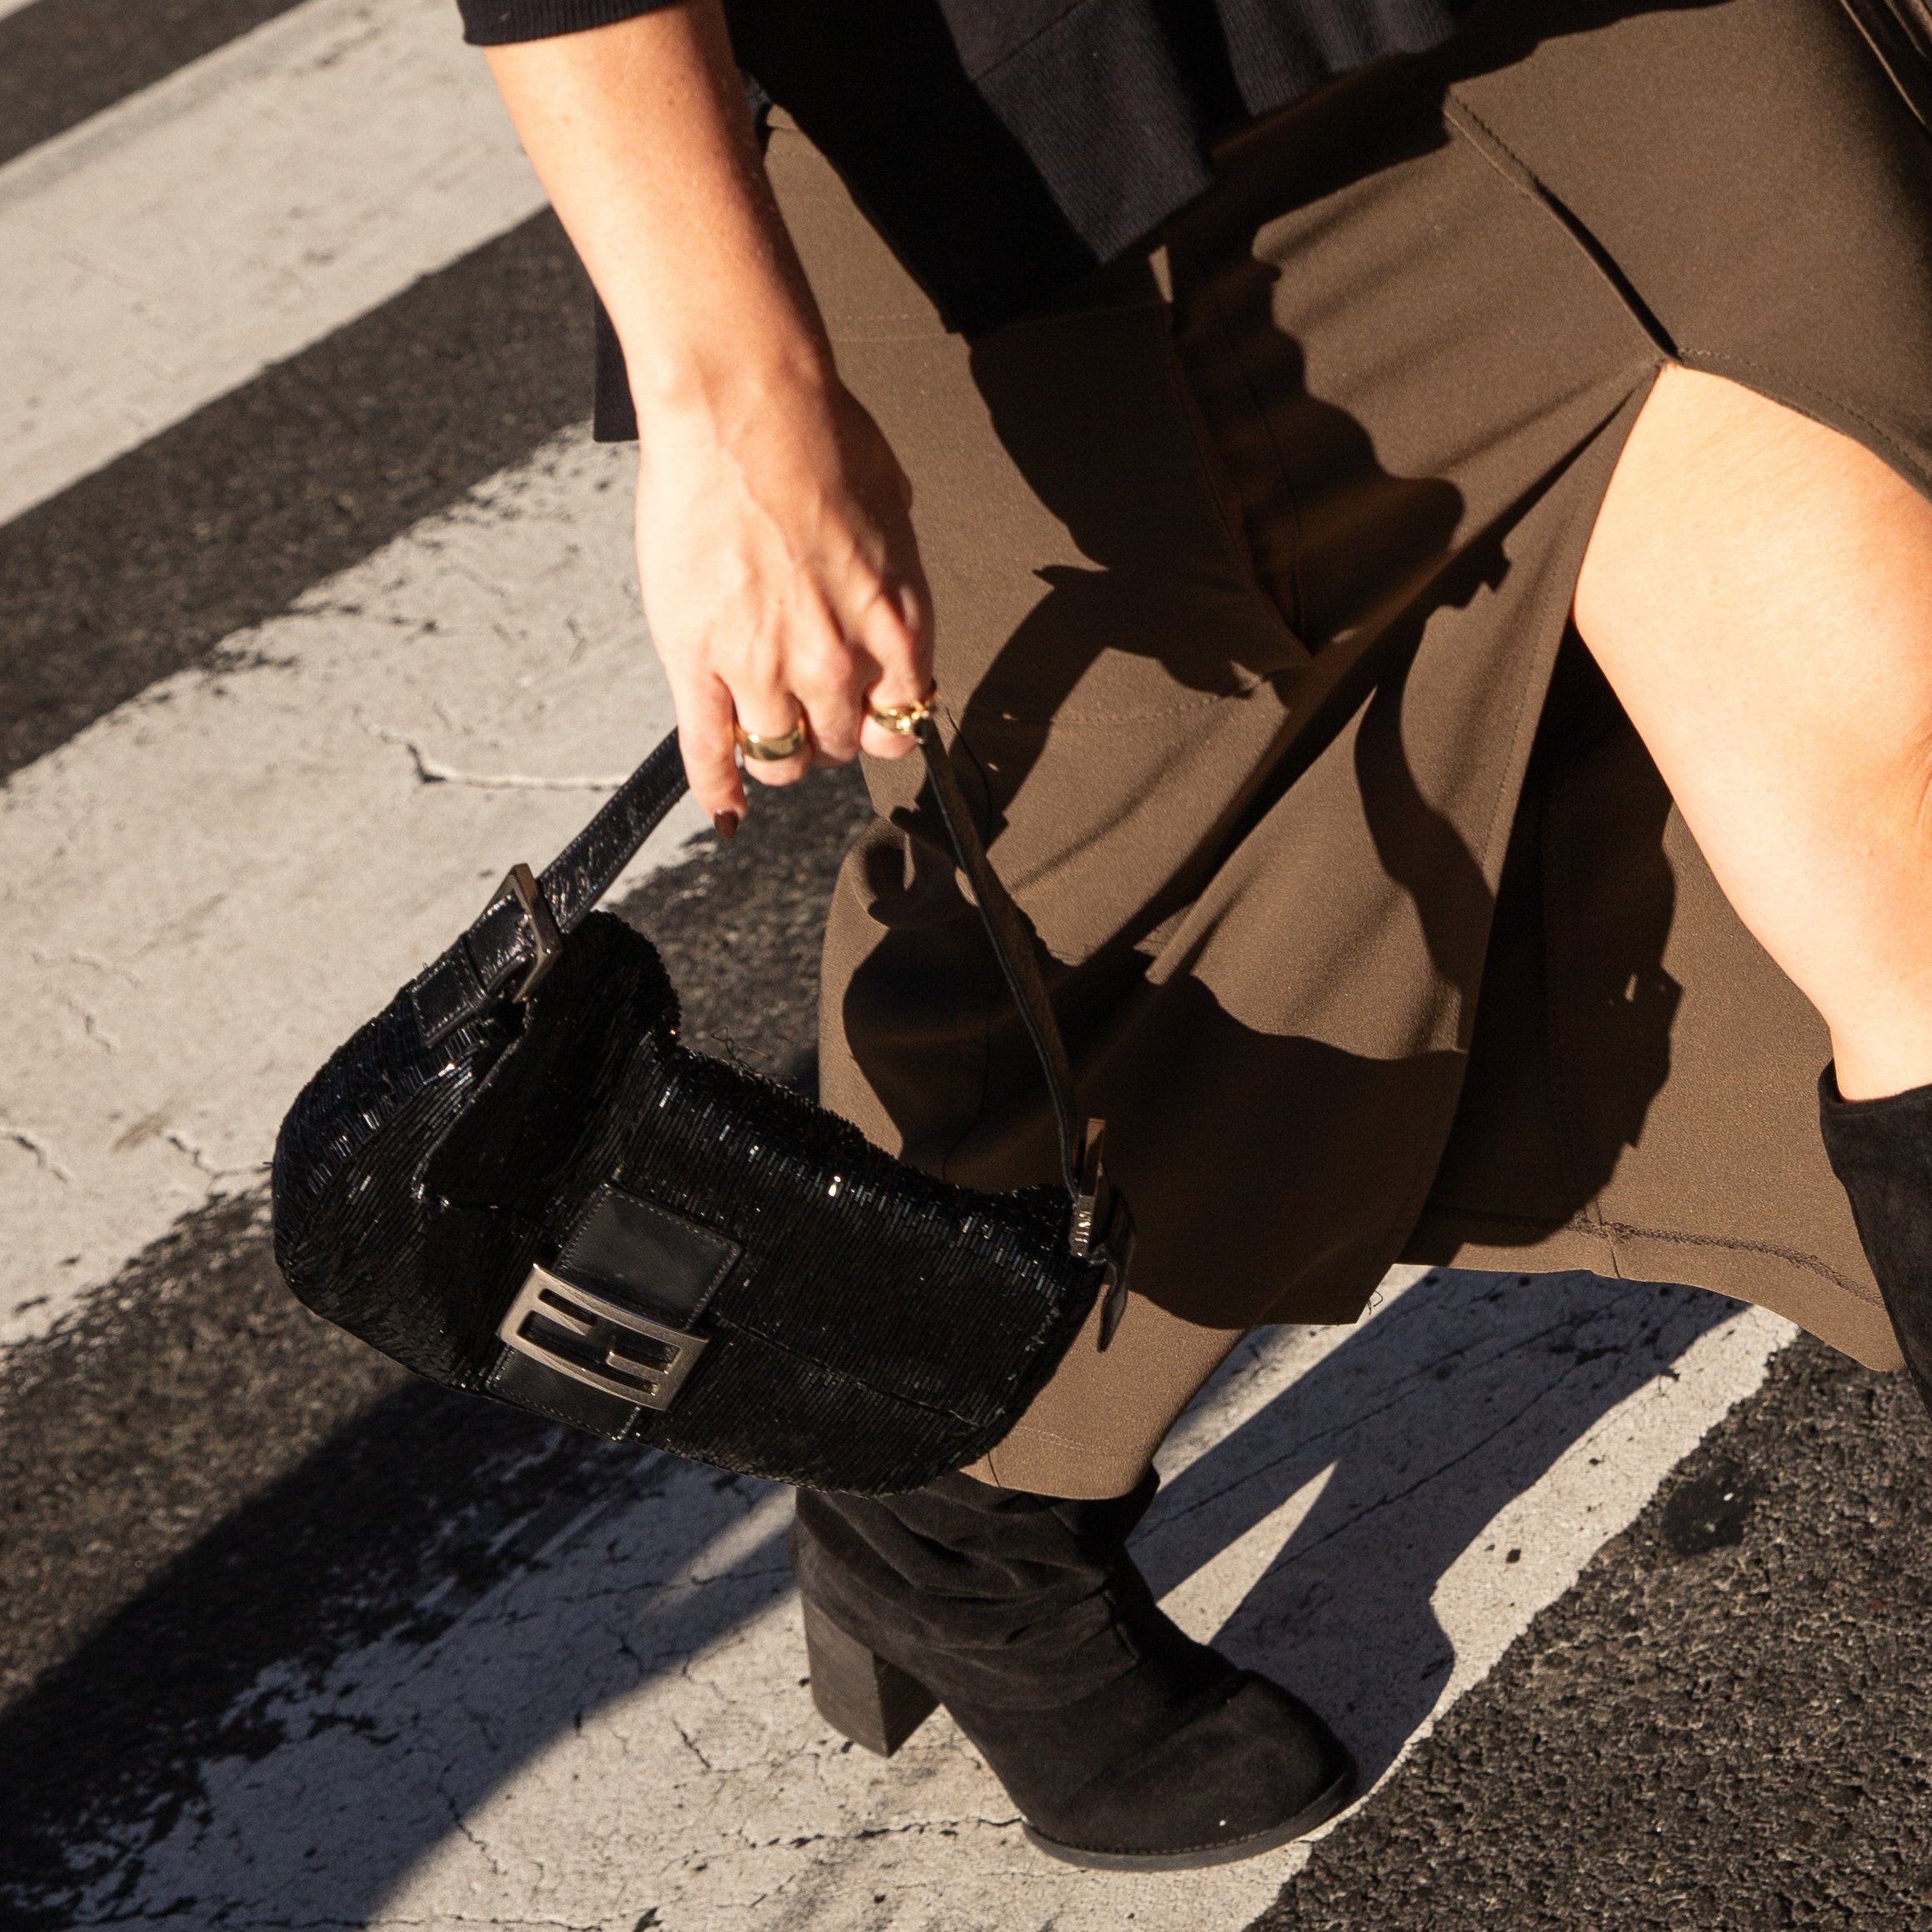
(580, 1334)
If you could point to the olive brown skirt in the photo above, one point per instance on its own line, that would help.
(1371, 926)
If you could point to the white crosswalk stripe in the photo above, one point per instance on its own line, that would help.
(213, 885)
(167, 249)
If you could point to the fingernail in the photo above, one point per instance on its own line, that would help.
(725, 825)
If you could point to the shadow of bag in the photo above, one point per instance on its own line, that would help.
(517, 1180)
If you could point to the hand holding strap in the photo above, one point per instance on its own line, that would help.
(505, 953)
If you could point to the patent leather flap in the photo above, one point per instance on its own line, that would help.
(646, 1255)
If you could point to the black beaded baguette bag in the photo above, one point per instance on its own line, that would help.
(517, 1180)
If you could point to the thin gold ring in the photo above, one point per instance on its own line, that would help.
(903, 719)
(786, 744)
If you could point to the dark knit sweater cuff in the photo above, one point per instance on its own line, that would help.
(497, 22)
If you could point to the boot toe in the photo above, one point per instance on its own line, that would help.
(1245, 1768)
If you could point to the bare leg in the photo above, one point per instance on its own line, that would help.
(1758, 590)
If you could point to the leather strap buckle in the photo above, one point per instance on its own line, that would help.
(1101, 1228)
(521, 883)
(1088, 1228)
(580, 1334)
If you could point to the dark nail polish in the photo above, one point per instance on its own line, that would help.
(725, 823)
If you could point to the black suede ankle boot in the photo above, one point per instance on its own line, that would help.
(1881, 1151)
(1123, 1741)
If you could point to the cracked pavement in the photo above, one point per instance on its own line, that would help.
(223, 987)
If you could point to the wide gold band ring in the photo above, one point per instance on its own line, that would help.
(904, 719)
(786, 744)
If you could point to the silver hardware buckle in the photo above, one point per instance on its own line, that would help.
(521, 883)
(595, 1342)
(1085, 1226)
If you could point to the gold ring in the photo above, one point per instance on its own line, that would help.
(903, 719)
(786, 744)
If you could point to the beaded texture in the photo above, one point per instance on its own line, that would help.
(878, 1326)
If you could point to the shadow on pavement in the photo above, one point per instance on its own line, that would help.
(193, 1749)
(1421, 1427)
(320, 1693)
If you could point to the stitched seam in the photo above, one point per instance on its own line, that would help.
(553, 1414)
(1464, 120)
(1203, 703)
(1470, 1003)
(1457, 110)
(1412, 1204)
(1716, 364)
(1555, 877)
(1034, 1429)
(1553, 863)
(1200, 437)
(1440, 1208)
(907, 334)
(1519, 762)
(1605, 1229)
(1809, 1262)
(678, 1224)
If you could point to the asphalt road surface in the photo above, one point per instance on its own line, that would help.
(316, 612)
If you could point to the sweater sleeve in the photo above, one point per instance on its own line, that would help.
(496, 22)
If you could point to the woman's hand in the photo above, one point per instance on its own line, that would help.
(780, 576)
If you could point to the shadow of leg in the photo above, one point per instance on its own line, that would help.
(1377, 1484)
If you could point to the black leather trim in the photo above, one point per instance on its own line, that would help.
(642, 1254)
(500, 943)
(446, 994)
(530, 1385)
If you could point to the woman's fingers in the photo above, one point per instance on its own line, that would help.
(782, 587)
(897, 641)
(822, 675)
(705, 738)
(811, 706)
(775, 739)
(831, 666)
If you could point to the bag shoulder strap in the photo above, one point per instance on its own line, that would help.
(1006, 933)
(522, 930)
(519, 933)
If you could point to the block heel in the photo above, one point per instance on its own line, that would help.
(873, 1703)
(1123, 1743)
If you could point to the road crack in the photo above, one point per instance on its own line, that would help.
(431, 771)
(44, 1156)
